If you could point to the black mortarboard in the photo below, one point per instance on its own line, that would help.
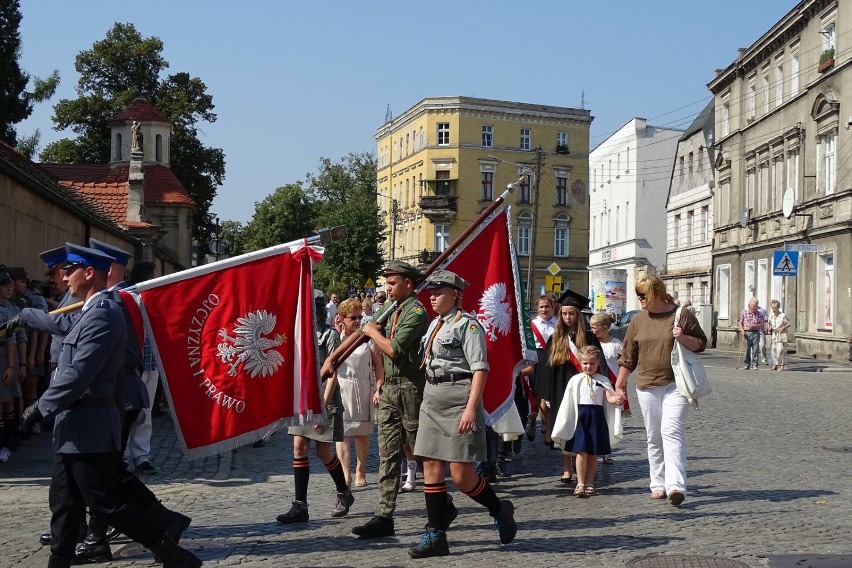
(569, 298)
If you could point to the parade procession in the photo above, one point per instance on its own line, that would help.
(359, 284)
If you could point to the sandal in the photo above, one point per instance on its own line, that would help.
(565, 480)
(658, 495)
(579, 491)
(589, 491)
(608, 459)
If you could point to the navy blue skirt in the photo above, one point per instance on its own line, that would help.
(592, 434)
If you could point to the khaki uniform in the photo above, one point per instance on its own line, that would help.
(453, 353)
(400, 396)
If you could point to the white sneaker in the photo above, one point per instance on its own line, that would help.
(408, 486)
(5, 454)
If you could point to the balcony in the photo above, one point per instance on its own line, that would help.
(442, 205)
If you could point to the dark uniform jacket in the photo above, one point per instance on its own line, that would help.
(57, 325)
(81, 395)
(133, 393)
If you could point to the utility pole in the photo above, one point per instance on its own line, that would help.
(539, 167)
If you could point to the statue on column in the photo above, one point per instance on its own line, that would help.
(135, 137)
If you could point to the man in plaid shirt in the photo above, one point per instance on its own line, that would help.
(752, 322)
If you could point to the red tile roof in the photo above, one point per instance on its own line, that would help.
(140, 109)
(161, 184)
(112, 197)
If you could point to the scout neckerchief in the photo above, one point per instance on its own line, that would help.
(428, 346)
(395, 318)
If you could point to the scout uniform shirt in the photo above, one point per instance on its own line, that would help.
(456, 347)
(405, 329)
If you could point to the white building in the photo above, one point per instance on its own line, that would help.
(629, 179)
(689, 261)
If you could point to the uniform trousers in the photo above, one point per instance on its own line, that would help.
(89, 480)
(398, 416)
(139, 444)
(665, 410)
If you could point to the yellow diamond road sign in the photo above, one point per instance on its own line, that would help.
(369, 283)
(553, 268)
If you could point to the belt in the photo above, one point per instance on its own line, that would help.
(449, 378)
(103, 402)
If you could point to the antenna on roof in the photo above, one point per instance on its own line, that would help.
(583, 100)
(388, 115)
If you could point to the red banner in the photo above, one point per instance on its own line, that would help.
(487, 261)
(237, 349)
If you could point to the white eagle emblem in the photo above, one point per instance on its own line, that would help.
(250, 347)
(495, 311)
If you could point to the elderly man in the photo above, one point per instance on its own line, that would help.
(752, 322)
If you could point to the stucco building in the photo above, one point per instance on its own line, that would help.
(441, 162)
(629, 180)
(783, 114)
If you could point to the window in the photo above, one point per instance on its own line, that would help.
(827, 148)
(524, 228)
(676, 231)
(617, 221)
(762, 188)
(158, 148)
(442, 237)
(524, 190)
(593, 240)
(776, 192)
(779, 85)
(752, 98)
(118, 147)
(681, 166)
(560, 235)
(627, 161)
(690, 162)
(407, 142)
(443, 134)
(487, 186)
(723, 290)
(750, 185)
(765, 87)
(748, 283)
(422, 137)
(762, 281)
(703, 226)
(690, 227)
(794, 74)
(526, 139)
(562, 141)
(829, 36)
(561, 190)
(793, 170)
(825, 291)
(487, 136)
(442, 184)
(627, 219)
(726, 119)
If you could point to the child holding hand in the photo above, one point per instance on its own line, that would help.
(589, 418)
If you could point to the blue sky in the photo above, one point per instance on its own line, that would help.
(296, 81)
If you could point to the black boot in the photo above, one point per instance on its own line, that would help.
(91, 551)
(58, 562)
(174, 556)
(170, 521)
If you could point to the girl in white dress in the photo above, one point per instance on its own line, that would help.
(610, 346)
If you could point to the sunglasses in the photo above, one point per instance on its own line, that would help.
(354, 318)
(640, 296)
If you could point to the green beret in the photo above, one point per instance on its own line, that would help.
(403, 269)
(445, 278)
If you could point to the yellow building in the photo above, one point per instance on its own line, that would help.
(441, 162)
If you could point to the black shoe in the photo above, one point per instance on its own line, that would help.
(44, 539)
(377, 527)
(298, 513)
(345, 499)
(432, 543)
(145, 467)
(173, 556)
(505, 521)
(92, 552)
(502, 469)
(450, 513)
(517, 445)
(113, 533)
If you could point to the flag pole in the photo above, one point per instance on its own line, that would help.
(348, 349)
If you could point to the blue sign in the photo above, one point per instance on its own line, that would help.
(785, 263)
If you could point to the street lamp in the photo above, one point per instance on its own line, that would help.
(217, 247)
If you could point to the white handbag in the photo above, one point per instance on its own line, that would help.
(690, 375)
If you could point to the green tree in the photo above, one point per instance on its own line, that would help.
(16, 103)
(346, 195)
(285, 215)
(233, 236)
(115, 71)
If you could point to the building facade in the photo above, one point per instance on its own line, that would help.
(441, 162)
(629, 182)
(689, 214)
(784, 178)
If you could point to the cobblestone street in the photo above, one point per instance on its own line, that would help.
(769, 462)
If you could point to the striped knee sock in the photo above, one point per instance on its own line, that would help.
(436, 504)
(301, 474)
(335, 469)
(484, 494)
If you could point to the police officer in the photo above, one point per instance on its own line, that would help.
(402, 390)
(87, 429)
(452, 422)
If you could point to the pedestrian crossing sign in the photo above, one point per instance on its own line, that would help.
(785, 263)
